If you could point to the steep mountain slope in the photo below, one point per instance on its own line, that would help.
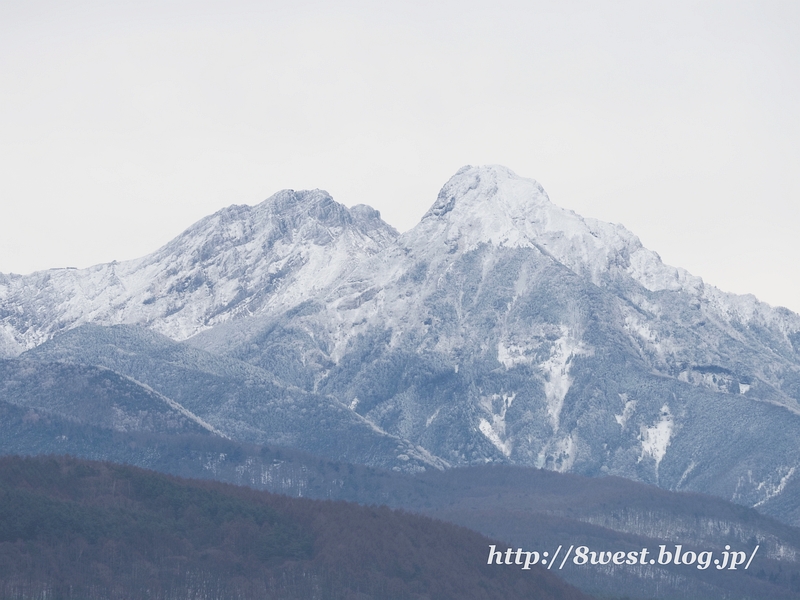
(240, 261)
(94, 396)
(504, 328)
(241, 401)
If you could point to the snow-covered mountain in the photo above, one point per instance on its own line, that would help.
(505, 328)
(501, 328)
(491, 211)
(239, 261)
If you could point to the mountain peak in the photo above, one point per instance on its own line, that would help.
(300, 205)
(493, 205)
(240, 261)
(471, 188)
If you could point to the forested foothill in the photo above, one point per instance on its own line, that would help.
(540, 509)
(76, 529)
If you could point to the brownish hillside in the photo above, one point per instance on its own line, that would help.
(77, 529)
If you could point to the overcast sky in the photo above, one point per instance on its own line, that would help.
(123, 123)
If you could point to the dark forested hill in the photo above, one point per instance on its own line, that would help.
(77, 529)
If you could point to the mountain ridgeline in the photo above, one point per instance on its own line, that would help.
(501, 330)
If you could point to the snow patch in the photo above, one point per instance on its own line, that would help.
(432, 417)
(685, 474)
(771, 490)
(556, 373)
(488, 429)
(9, 347)
(655, 439)
(512, 354)
(495, 431)
(627, 411)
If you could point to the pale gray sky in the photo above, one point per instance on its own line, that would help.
(123, 123)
